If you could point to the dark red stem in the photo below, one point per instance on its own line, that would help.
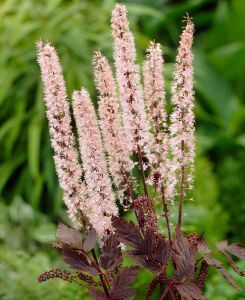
(101, 276)
(142, 171)
(182, 187)
(126, 182)
(171, 294)
(165, 209)
(164, 294)
(151, 287)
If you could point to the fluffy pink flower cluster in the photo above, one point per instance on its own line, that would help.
(128, 79)
(101, 204)
(127, 124)
(156, 113)
(68, 169)
(182, 131)
(120, 164)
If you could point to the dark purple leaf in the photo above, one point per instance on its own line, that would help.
(202, 245)
(120, 291)
(149, 241)
(233, 265)
(123, 293)
(184, 257)
(163, 251)
(145, 261)
(69, 236)
(128, 232)
(111, 257)
(222, 245)
(125, 277)
(154, 253)
(228, 278)
(90, 240)
(237, 250)
(77, 260)
(190, 291)
(96, 294)
(213, 262)
(216, 263)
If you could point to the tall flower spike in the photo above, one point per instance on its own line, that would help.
(120, 164)
(182, 130)
(101, 205)
(155, 109)
(128, 78)
(65, 155)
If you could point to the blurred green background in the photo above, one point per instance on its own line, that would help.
(30, 199)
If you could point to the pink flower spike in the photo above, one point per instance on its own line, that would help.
(101, 205)
(155, 108)
(182, 131)
(120, 164)
(67, 166)
(128, 79)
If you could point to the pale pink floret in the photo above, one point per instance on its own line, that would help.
(120, 164)
(128, 79)
(182, 129)
(101, 204)
(156, 113)
(65, 155)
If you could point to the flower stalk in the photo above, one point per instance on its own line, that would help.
(182, 131)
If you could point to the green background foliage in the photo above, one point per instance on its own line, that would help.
(30, 199)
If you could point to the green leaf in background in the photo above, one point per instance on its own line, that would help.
(21, 282)
(219, 290)
(28, 183)
(34, 144)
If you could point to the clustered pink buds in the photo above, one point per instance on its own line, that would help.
(182, 129)
(67, 166)
(128, 79)
(101, 205)
(156, 113)
(120, 164)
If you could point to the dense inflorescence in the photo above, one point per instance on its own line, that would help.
(182, 129)
(133, 154)
(112, 129)
(156, 113)
(128, 79)
(68, 169)
(101, 205)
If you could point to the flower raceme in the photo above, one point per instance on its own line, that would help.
(68, 169)
(120, 164)
(182, 131)
(128, 79)
(132, 155)
(101, 203)
(156, 113)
